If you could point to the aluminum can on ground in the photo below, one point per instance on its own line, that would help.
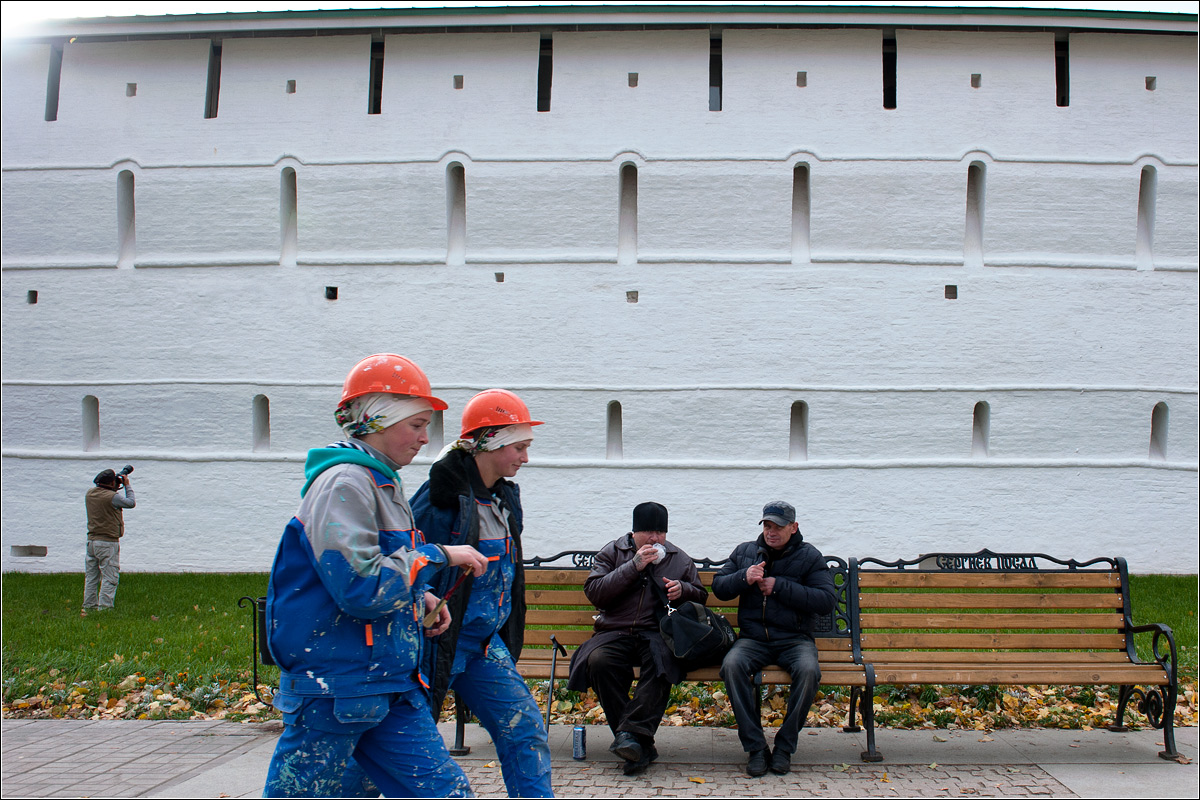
(579, 743)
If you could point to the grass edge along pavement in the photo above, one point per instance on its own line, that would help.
(178, 647)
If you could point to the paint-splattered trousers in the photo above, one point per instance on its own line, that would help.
(497, 694)
(329, 743)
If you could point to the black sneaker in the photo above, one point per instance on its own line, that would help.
(756, 766)
(628, 747)
(781, 762)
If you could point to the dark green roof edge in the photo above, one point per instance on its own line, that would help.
(468, 11)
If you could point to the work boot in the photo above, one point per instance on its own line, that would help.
(781, 762)
(628, 747)
(756, 766)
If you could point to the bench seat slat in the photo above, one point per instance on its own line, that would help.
(944, 600)
(987, 641)
(999, 621)
(1019, 674)
(983, 580)
(993, 657)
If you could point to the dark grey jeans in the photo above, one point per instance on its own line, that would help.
(799, 658)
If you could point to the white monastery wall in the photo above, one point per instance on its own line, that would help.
(735, 307)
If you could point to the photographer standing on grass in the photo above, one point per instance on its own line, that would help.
(106, 526)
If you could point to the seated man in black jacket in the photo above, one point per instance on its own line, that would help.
(626, 632)
(782, 583)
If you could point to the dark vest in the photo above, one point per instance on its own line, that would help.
(105, 522)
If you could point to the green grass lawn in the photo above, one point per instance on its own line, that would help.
(185, 634)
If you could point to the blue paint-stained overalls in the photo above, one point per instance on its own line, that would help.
(454, 508)
(345, 605)
(483, 673)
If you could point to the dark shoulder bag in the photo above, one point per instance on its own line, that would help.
(694, 633)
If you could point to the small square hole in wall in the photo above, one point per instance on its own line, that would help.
(31, 297)
(633, 79)
(802, 79)
(976, 80)
(331, 293)
(130, 89)
(1151, 83)
(499, 277)
(458, 81)
(951, 291)
(291, 87)
(631, 297)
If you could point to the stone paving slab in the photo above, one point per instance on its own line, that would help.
(66, 758)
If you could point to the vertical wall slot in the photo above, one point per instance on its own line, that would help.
(131, 90)
(633, 80)
(1147, 199)
(1062, 71)
(289, 227)
(456, 213)
(951, 291)
(91, 422)
(212, 95)
(1151, 83)
(126, 220)
(973, 236)
(1158, 433)
(331, 293)
(375, 79)
(802, 79)
(436, 433)
(261, 422)
(715, 76)
(458, 81)
(613, 447)
(889, 72)
(981, 423)
(53, 82)
(798, 438)
(976, 80)
(31, 297)
(290, 87)
(545, 73)
(627, 216)
(801, 215)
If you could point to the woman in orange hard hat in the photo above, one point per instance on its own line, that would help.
(470, 499)
(346, 602)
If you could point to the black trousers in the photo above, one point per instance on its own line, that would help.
(610, 672)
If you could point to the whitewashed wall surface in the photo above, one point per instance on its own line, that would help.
(966, 321)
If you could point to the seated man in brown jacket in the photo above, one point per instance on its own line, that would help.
(627, 632)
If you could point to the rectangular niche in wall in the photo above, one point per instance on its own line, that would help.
(375, 79)
(289, 234)
(91, 422)
(1147, 200)
(212, 92)
(261, 422)
(613, 447)
(1158, 432)
(126, 220)
(456, 213)
(801, 215)
(436, 432)
(545, 78)
(627, 218)
(981, 423)
(53, 82)
(973, 238)
(798, 432)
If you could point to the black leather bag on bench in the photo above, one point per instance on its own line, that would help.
(695, 634)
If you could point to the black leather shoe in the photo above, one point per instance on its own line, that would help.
(781, 762)
(636, 767)
(651, 752)
(756, 767)
(628, 747)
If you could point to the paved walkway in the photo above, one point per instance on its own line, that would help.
(70, 758)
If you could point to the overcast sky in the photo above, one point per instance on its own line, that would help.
(17, 14)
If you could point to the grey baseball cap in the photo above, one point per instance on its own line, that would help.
(779, 512)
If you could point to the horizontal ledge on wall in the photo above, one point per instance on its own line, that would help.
(540, 258)
(693, 257)
(649, 388)
(642, 464)
(914, 259)
(81, 262)
(1075, 262)
(624, 155)
(232, 260)
(429, 258)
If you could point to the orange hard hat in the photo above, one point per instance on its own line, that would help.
(388, 373)
(494, 407)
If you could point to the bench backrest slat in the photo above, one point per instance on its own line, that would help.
(988, 580)
(941, 621)
(987, 641)
(944, 600)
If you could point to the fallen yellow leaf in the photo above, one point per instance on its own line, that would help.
(696, 780)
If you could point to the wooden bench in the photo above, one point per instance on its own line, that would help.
(559, 618)
(1010, 619)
